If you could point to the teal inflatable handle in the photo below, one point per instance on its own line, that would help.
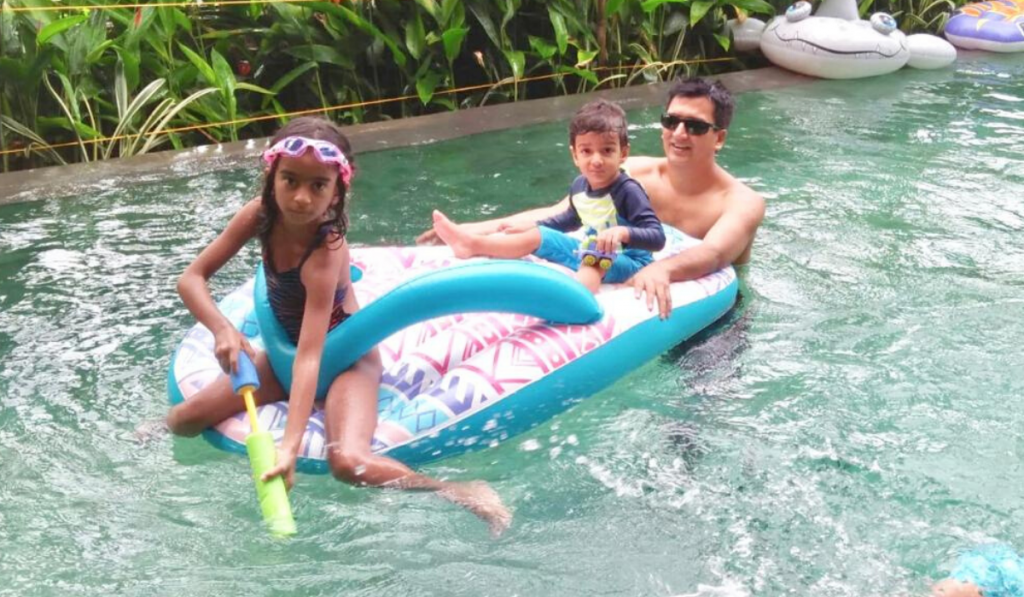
(507, 286)
(273, 495)
(246, 375)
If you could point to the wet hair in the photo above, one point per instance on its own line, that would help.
(599, 116)
(311, 127)
(714, 91)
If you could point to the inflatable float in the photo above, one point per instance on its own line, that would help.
(472, 354)
(835, 43)
(995, 26)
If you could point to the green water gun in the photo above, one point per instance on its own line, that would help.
(273, 495)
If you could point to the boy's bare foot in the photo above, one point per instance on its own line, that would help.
(453, 236)
(480, 499)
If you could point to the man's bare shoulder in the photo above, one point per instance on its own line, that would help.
(642, 166)
(741, 195)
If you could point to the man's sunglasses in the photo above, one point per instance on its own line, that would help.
(694, 126)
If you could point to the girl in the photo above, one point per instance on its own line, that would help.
(300, 221)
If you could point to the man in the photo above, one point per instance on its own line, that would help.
(687, 189)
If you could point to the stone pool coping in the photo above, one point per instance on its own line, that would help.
(57, 181)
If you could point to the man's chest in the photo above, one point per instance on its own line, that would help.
(694, 216)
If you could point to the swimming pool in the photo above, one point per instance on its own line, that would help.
(850, 430)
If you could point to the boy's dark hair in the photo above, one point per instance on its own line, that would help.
(311, 127)
(599, 116)
(714, 91)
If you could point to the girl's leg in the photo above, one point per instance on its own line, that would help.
(350, 419)
(466, 244)
(218, 401)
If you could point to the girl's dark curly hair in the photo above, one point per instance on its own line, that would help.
(310, 127)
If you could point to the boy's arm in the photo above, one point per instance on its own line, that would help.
(519, 220)
(566, 221)
(644, 229)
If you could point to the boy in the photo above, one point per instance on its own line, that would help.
(611, 206)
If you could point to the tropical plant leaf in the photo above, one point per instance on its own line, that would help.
(415, 37)
(723, 40)
(426, 85)
(561, 33)
(286, 80)
(363, 24)
(322, 54)
(649, 6)
(452, 40)
(57, 27)
(201, 65)
(754, 6)
(517, 62)
(545, 49)
(43, 147)
(699, 8)
(158, 130)
(584, 57)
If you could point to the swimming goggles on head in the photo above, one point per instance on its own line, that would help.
(325, 151)
(694, 126)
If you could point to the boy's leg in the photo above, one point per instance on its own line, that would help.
(626, 265)
(350, 419)
(590, 276)
(218, 401)
(466, 244)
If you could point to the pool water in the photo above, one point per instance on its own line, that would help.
(849, 430)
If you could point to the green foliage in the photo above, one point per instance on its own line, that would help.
(107, 83)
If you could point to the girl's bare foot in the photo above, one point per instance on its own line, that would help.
(480, 499)
(453, 235)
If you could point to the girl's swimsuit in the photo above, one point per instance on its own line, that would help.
(287, 293)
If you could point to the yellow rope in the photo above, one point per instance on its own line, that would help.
(195, 127)
(196, 3)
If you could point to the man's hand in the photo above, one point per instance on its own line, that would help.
(652, 282)
(610, 240)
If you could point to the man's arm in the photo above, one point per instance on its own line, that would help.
(518, 220)
(724, 244)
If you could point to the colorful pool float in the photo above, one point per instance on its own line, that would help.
(996, 26)
(453, 381)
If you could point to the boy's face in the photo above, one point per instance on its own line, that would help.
(599, 156)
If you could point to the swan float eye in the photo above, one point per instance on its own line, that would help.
(798, 12)
(883, 23)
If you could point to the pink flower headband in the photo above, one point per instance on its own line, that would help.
(325, 151)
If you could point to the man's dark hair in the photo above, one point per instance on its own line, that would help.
(599, 116)
(714, 91)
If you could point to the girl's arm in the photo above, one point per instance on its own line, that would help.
(324, 271)
(192, 285)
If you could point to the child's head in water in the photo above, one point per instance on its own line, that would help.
(309, 169)
(599, 142)
(990, 570)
